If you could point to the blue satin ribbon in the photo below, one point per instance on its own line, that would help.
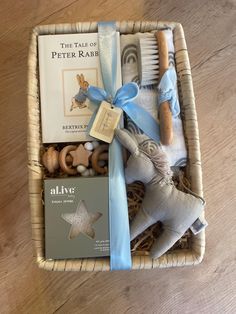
(107, 43)
(120, 255)
(167, 91)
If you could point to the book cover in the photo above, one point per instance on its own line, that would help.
(76, 217)
(67, 64)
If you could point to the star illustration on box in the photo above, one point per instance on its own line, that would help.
(79, 100)
(81, 221)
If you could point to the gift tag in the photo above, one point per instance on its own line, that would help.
(106, 122)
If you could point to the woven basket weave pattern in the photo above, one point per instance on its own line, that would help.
(174, 258)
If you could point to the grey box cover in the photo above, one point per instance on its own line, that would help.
(76, 217)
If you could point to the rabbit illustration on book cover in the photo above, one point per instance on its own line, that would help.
(78, 101)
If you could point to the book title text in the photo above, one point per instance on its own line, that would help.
(82, 52)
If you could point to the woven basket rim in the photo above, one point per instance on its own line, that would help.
(192, 256)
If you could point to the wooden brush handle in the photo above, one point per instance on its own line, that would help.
(166, 128)
(165, 115)
(163, 52)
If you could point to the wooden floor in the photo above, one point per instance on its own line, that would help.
(210, 29)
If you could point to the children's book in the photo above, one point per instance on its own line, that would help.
(68, 63)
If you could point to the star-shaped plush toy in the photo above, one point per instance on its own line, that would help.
(81, 221)
(80, 156)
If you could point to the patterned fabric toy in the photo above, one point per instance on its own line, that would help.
(162, 202)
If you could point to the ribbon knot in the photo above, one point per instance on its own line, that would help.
(127, 92)
(167, 91)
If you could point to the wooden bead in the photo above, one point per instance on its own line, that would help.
(85, 173)
(92, 172)
(81, 168)
(88, 146)
(50, 159)
(95, 144)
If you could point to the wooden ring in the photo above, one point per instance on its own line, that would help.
(103, 156)
(62, 160)
(98, 154)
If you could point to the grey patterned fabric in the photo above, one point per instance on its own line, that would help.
(162, 202)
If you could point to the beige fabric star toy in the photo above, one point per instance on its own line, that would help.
(162, 202)
(81, 221)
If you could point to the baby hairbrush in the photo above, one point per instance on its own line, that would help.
(153, 62)
(165, 115)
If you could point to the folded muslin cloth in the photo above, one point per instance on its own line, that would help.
(147, 98)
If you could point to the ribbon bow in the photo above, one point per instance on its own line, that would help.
(127, 92)
(124, 99)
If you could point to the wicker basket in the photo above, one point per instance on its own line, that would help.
(179, 257)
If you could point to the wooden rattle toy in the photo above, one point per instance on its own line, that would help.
(62, 160)
(100, 153)
(50, 159)
(87, 159)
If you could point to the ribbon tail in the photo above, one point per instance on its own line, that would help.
(143, 120)
(120, 257)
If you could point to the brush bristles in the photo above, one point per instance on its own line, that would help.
(148, 60)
